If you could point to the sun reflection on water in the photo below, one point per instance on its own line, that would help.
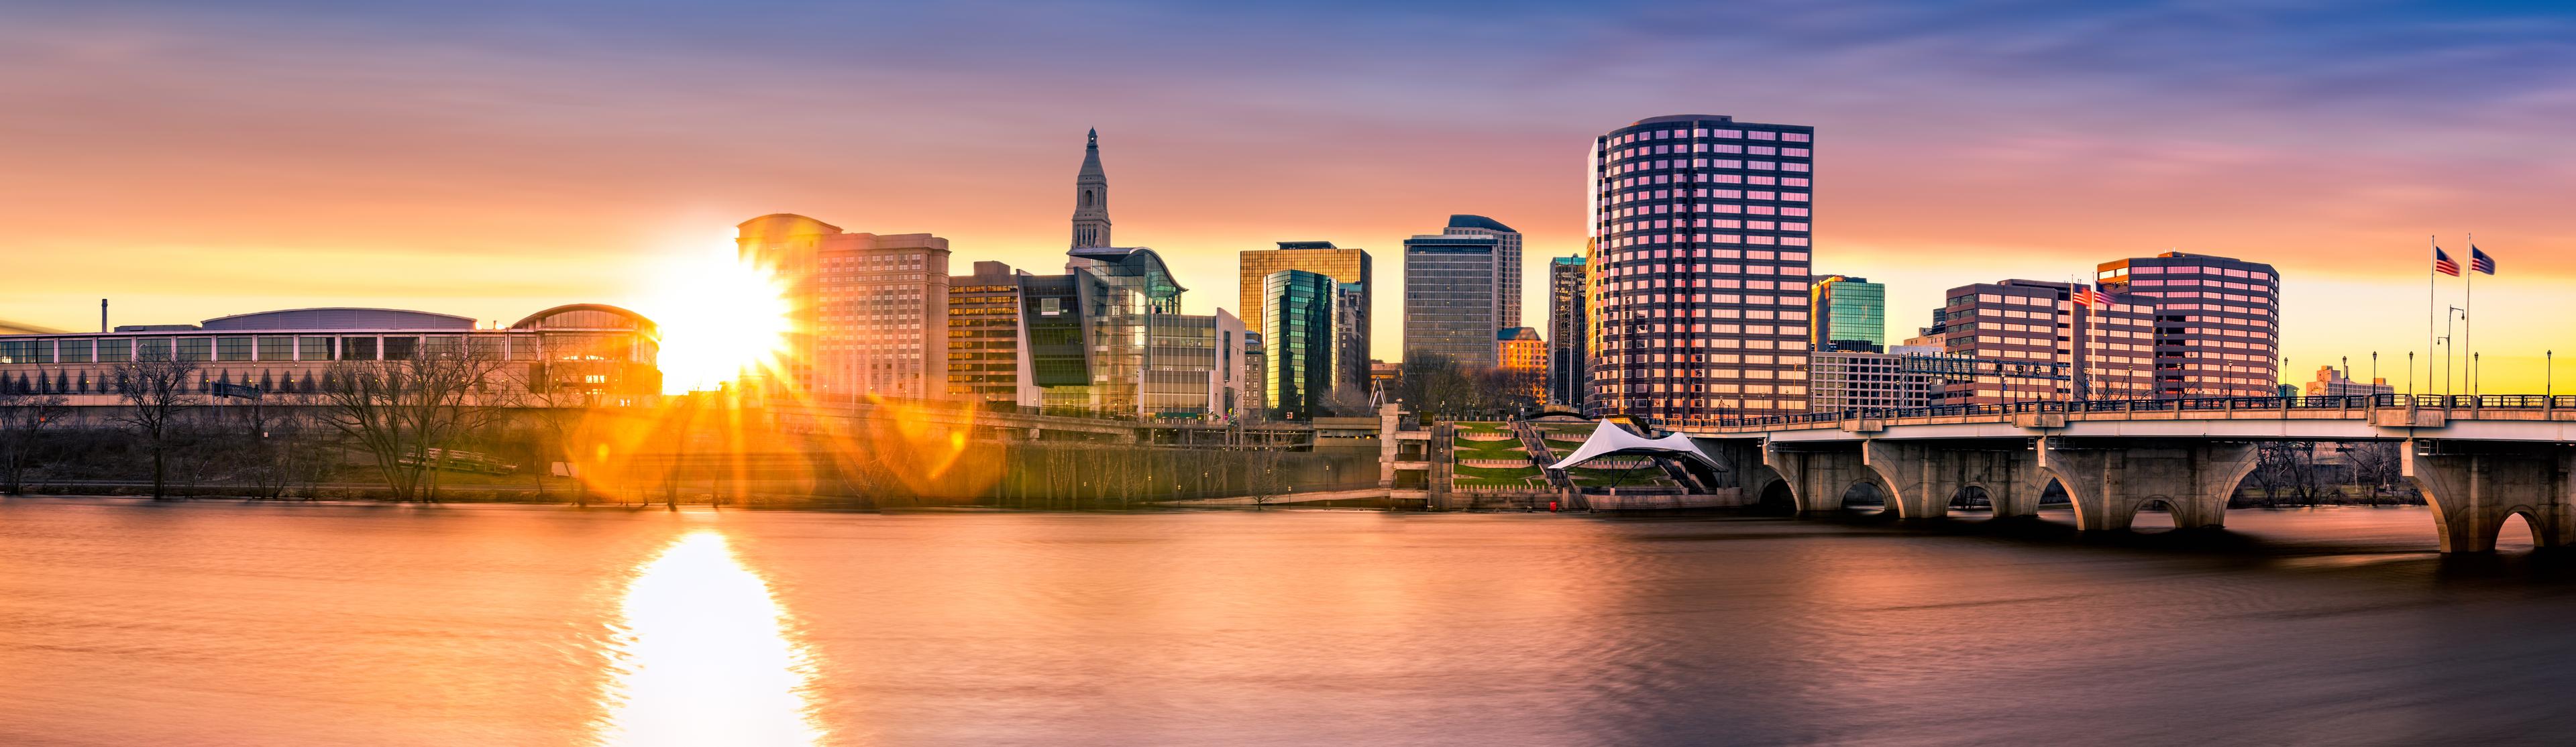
(704, 657)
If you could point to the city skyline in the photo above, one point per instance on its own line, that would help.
(2315, 168)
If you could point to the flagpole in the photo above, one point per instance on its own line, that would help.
(2468, 314)
(2429, 304)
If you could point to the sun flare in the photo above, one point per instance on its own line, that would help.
(720, 316)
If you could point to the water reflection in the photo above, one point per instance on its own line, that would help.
(704, 657)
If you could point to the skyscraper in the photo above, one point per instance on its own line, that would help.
(869, 313)
(1349, 267)
(2217, 321)
(1567, 346)
(1849, 314)
(1449, 301)
(1699, 268)
(1298, 339)
(1091, 198)
(1507, 263)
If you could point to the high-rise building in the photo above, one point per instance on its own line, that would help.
(1507, 263)
(1091, 198)
(985, 338)
(1253, 401)
(1350, 336)
(1449, 300)
(2217, 322)
(1350, 267)
(2031, 342)
(1524, 356)
(1566, 333)
(868, 313)
(1848, 314)
(1298, 341)
(1699, 265)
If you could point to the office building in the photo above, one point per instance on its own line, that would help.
(1349, 267)
(1524, 356)
(1252, 402)
(1507, 262)
(594, 353)
(985, 338)
(1108, 336)
(2333, 383)
(868, 314)
(1298, 342)
(2032, 342)
(1449, 300)
(2217, 322)
(1090, 197)
(1844, 381)
(1566, 331)
(1848, 314)
(1699, 264)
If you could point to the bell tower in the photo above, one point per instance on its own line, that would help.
(1091, 199)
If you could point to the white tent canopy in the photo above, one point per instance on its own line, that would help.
(1608, 438)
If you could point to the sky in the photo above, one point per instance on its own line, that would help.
(494, 159)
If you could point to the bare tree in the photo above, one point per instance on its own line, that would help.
(154, 387)
(279, 446)
(2375, 465)
(2287, 466)
(23, 418)
(410, 414)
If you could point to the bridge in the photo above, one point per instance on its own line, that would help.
(2479, 460)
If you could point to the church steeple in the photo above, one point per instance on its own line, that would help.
(1091, 198)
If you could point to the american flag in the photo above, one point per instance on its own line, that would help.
(2442, 263)
(2090, 298)
(2479, 260)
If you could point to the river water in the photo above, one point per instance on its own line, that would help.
(219, 623)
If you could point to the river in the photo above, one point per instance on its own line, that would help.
(222, 623)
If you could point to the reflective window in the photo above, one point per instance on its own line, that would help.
(232, 348)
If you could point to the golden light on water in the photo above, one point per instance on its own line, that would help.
(705, 656)
(720, 316)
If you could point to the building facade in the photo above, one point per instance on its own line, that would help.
(1524, 356)
(1840, 381)
(2217, 322)
(1699, 264)
(1566, 336)
(2040, 345)
(985, 338)
(868, 313)
(1299, 342)
(2333, 383)
(1507, 263)
(1349, 267)
(1848, 314)
(594, 354)
(1449, 299)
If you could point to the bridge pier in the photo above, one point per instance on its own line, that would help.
(2110, 482)
(1818, 478)
(1922, 476)
(2473, 487)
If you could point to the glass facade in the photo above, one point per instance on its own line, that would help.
(1850, 314)
(1507, 263)
(1567, 345)
(2217, 325)
(1699, 265)
(1299, 340)
(1449, 308)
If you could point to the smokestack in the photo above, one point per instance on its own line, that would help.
(102, 316)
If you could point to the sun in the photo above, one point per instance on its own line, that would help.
(721, 316)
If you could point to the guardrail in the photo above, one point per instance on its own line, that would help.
(2195, 404)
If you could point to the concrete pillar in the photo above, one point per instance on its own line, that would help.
(1922, 476)
(1818, 477)
(2474, 487)
(2110, 479)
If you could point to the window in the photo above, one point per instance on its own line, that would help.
(74, 351)
(358, 348)
(152, 349)
(401, 348)
(194, 348)
(313, 348)
(232, 348)
(277, 348)
(115, 350)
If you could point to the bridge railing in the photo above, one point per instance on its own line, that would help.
(2188, 404)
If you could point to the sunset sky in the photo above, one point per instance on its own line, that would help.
(491, 160)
